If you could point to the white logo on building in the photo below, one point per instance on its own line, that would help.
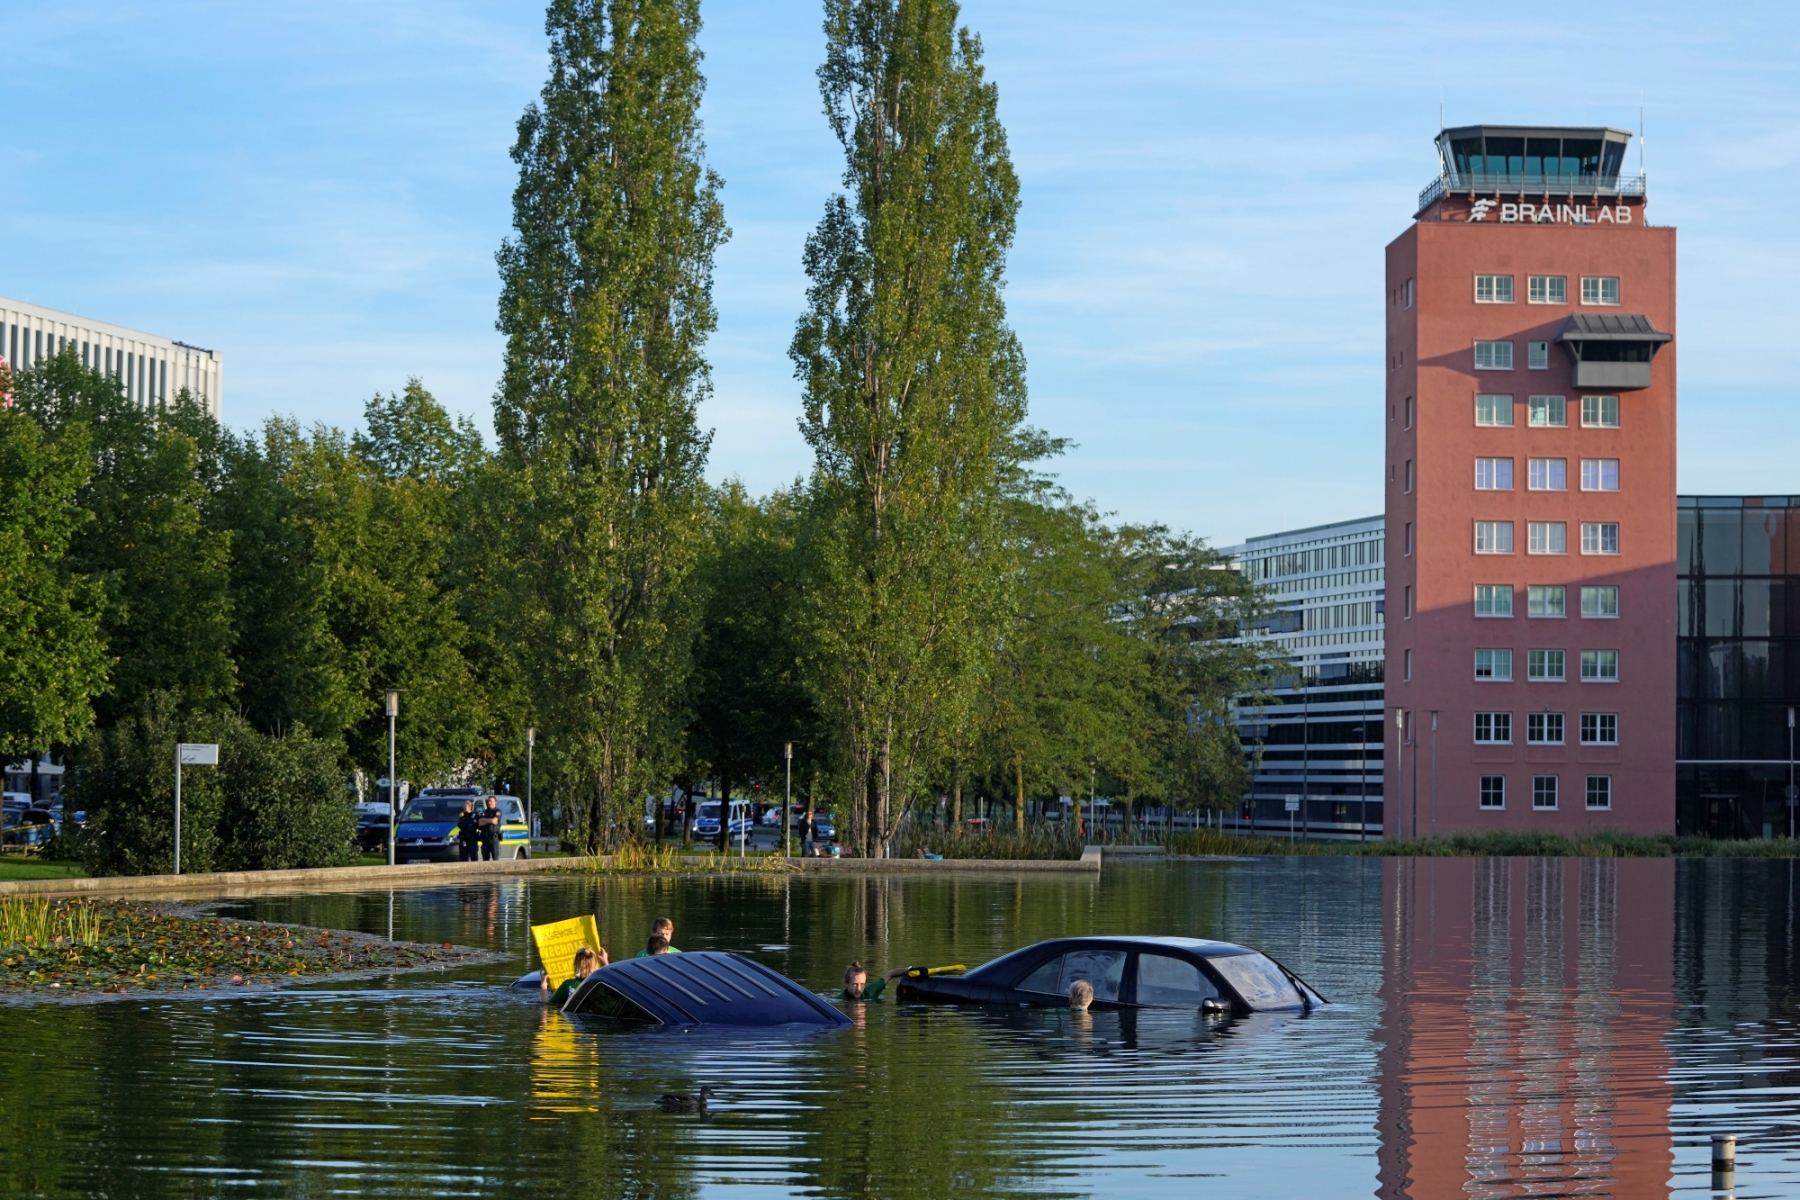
(1479, 210)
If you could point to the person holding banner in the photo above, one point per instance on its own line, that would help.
(586, 963)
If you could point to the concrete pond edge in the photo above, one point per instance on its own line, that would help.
(227, 884)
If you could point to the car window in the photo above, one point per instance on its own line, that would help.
(1103, 969)
(1166, 982)
(1259, 981)
(1045, 979)
(433, 808)
(514, 810)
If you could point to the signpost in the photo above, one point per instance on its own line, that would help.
(787, 802)
(1293, 806)
(531, 748)
(393, 712)
(192, 754)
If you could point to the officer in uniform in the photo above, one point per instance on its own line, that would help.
(468, 832)
(490, 830)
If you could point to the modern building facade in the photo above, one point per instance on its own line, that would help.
(1530, 416)
(1738, 676)
(1318, 737)
(152, 369)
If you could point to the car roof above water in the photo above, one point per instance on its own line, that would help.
(1204, 946)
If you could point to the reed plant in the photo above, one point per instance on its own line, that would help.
(1038, 841)
(35, 923)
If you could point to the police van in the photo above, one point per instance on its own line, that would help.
(427, 829)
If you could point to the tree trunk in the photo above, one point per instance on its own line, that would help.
(1019, 813)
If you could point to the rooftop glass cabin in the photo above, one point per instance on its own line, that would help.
(1532, 161)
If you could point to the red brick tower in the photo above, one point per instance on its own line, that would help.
(1531, 492)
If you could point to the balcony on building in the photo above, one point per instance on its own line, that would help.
(1529, 161)
(1611, 353)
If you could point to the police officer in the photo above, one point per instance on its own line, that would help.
(489, 822)
(468, 832)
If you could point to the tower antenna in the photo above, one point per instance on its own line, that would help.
(1640, 139)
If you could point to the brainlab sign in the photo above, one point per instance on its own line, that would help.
(1549, 214)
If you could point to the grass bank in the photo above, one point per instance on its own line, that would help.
(18, 866)
(1498, 844)
(74, 948)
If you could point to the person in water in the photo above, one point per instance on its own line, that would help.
(858, 985)
(658, 944)
(1081, 994)
(586, 963)
(662, 928)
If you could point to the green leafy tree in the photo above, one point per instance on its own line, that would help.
(748, 697)
(164, 563)
(52, 658)
(914, 390)
(606, 301)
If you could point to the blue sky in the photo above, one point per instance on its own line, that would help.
(318, 191)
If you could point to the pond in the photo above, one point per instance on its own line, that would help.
(1500, 1027)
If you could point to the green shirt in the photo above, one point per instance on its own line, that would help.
(871, 990)
(564, 990)
(646, 953)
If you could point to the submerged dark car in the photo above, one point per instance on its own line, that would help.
(1125, 972)
(701, 987)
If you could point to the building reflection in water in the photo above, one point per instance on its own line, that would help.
(1522, 1043)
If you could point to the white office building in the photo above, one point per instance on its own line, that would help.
(152, 369)
(1319, 734)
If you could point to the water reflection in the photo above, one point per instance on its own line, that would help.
(1524, 1041)
(1502, 1028)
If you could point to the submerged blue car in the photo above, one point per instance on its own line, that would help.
(1125, 972)
(701, 987)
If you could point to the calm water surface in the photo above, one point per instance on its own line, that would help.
(1503, 1027)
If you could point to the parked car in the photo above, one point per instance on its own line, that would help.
(706, 820)
(824, 827)
(1126, 972)
(427, 829)
(372, 829)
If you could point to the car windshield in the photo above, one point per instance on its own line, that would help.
(1258, 980)
(709, 810)
(433, 808)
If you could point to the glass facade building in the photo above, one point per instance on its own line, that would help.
(1318, 737)
(1738, 662)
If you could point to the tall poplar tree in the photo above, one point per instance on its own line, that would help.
(914, 390)
(606, 301)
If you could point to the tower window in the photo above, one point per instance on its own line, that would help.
(1543, 791)
(1600, 412)
(1493, 537)
(1549, 412)
(1599, 729)
(1493, 728)
(1600, 537)
(1494, 665)
(1491, 474)
(1493, 289)
(1547, 289)
(1600, 289)
(1493, 356)
(1545, 600)
(1538, 355)
(1599, 791)
(1548, 537)
(1493, 791)
(1493, 410)
(1544, 728)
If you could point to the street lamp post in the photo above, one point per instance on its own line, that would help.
(530, 749)
(1399, 769)
(1362, 788)
(393, 712)
(1792, 796)
(1434, 717)
(787, 801)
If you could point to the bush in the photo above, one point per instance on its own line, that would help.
(125, 778)
(272, 802)
(284, 802)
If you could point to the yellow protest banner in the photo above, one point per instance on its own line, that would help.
(558, 941)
